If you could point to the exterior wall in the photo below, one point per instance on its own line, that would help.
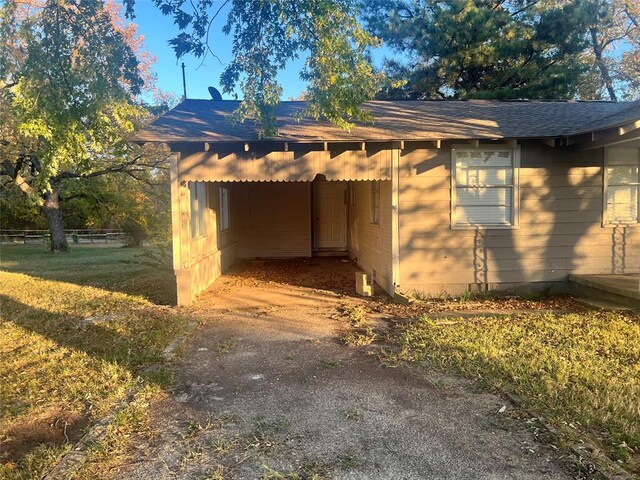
(228, 163)
(560, 228)
(197, 261)
(272, 219)
(369, 244)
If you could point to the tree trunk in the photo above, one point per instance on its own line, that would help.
(602, 66)
(53, 214)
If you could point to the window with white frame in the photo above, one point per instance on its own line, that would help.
(484, 187)
(621, 185)
(199, 206)
(224, 209)
(375, 202)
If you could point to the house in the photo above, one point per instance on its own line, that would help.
(434, 196)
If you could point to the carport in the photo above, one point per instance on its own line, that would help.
(238, 200)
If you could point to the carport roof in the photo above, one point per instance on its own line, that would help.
(210, 121)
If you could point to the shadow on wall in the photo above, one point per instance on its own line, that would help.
(560, 229)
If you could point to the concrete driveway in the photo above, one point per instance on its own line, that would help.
(266, 390)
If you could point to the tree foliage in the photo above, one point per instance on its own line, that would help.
(482, 48)
(614, 53)
(141, 207)
(70, 74)
(267, 35)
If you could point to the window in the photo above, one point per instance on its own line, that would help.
(621, 185)
(224, 209)
(375, 202)
(484, 187)
(199, 205)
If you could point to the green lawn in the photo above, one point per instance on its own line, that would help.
(577, 370)
(71, 346)
(110, 268)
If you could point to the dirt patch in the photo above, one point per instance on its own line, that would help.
(328, 273)
(268, 389)
(497, 304)
(54, 427)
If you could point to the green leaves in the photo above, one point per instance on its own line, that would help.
(267, 35)
(486, 49)
(73, 85)
(339, 73)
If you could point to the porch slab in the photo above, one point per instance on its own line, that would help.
(622, 285)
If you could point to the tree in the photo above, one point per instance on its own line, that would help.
(614, 54)
(482, 48)
(140, 206)
(587, 49)
(269, 34)
(69, 76)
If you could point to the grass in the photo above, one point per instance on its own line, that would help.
(307, 471)
(362, 331)
(577, 370)
(72, 346)
(110, 268)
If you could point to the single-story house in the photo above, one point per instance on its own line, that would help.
(433, 196)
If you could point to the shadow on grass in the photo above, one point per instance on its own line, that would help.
(116, 269)
(147, 332)
(73, 366)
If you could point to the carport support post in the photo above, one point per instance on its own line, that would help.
(395, 215)
(180, 222)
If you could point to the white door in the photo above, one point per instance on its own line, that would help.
(330, 215)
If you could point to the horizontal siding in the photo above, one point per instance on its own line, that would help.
(560, 229)
(211, 254)
(272, 219)
(370, 245)
(459, 239)
(529, 201)
(280, 166)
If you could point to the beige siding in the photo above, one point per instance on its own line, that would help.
(198, 261)
(560, 229)
(272, 219)
(290, 166)
(560, 225)
(369, 244)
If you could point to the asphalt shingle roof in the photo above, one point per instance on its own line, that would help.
(209, 121)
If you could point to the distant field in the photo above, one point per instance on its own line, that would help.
(77, 332)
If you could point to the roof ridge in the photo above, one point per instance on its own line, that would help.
(438, 100)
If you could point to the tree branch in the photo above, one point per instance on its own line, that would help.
(133, 165)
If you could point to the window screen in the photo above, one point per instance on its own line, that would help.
(375, 201)
(199, 205)
(622, 185)
(224, 209)
(484, 187)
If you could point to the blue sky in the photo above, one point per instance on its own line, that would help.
(159, 29)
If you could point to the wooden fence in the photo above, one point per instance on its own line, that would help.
(76, 236)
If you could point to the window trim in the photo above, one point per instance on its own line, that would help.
(228, 205)
(375, 219)
(515, 203)
(605, 191)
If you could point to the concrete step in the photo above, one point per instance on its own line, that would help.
(599, 304)
(609, 294)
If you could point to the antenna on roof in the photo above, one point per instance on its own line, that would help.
(215, 94)
(184, 83)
